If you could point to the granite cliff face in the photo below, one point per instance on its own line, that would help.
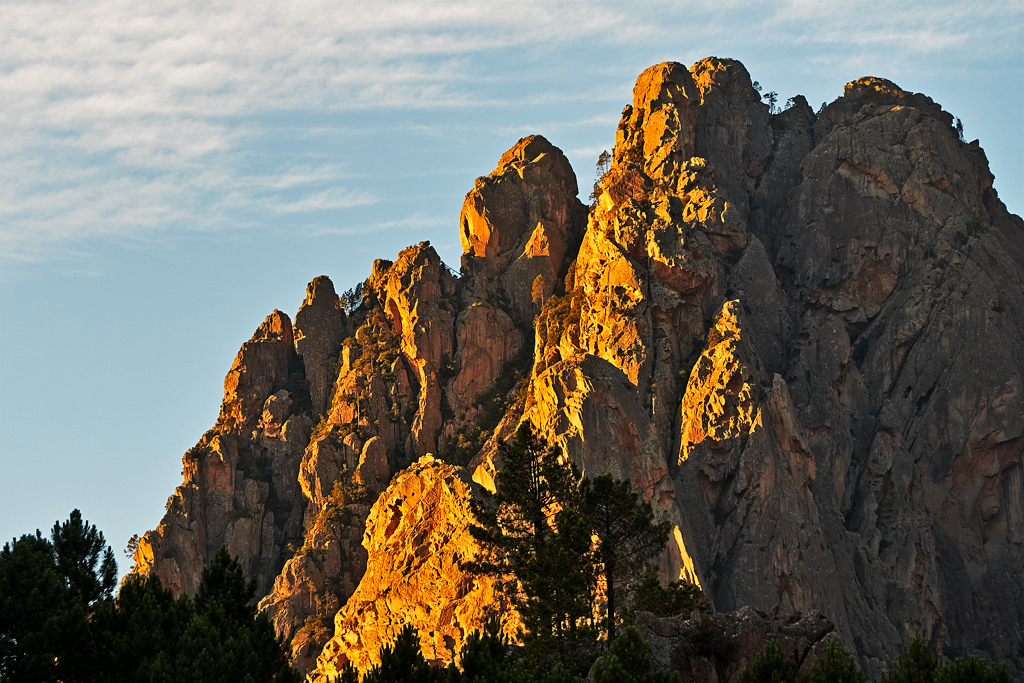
(417, 536)
(241, 484)
(800, 335)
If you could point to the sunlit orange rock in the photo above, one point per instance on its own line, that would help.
(719, 404)
(522, 221)
(417, 536)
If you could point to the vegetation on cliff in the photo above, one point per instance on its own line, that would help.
(488, 657)
(917, 664)
(565, 546)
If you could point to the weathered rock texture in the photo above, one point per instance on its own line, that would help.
(241, 480)
(417, 536)
(800, 335)
(716, 648)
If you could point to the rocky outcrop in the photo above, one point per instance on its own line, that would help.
(800, 336)
(749, 293)
(320, 327)
(520, 228)
(318, 579)
(240, 484)
(906, 367)
(386, 408)
(521, 222)
(417, 537)
(717, 648)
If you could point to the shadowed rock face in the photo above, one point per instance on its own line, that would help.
(718, 648)
(241, 480)
(320, 327)
(800, 335)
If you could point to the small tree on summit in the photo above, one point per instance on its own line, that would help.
(603, 162)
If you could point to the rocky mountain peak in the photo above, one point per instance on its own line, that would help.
(320, 326)
(798, 335)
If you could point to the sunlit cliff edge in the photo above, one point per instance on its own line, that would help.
(800, 335)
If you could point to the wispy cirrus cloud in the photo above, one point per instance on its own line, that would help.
(122, 118)
(334, 198)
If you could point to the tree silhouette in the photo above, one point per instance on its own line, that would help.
(628, 537)
(603, 162)
(50, 591)
(537, 293)
(534, 559)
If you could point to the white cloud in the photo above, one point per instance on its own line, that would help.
(334, 198)
(119, 114)
(414, 221)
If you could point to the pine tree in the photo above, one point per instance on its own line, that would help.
(972, 670)
(834, 668)
(603, 162)
(917, 664)
(403, 662)
(32, 594)
(143, 630)
(537, 292)
(627, 534)
(770, 666)
(483, 654)
(227, 636)
(517, 533)
(50, 592)
(628, 660)
(59, 620)
(678, 597)
(77, 549)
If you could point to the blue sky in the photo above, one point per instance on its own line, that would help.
(170, 172)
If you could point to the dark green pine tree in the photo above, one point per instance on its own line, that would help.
(90, 582)
(834, 668)
(972, 670)
(484, 656)
(60, 622)
(227, 638)
(627, 533)
(516, 529)
(770, 666)
(77, 547)
(917, 664)
(32, 594)
(50, 590)
(403, 662)
(678, 597)
(558, 587)
(628, 660)
(144, 630)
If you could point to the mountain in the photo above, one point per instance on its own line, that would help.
(800, 335)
